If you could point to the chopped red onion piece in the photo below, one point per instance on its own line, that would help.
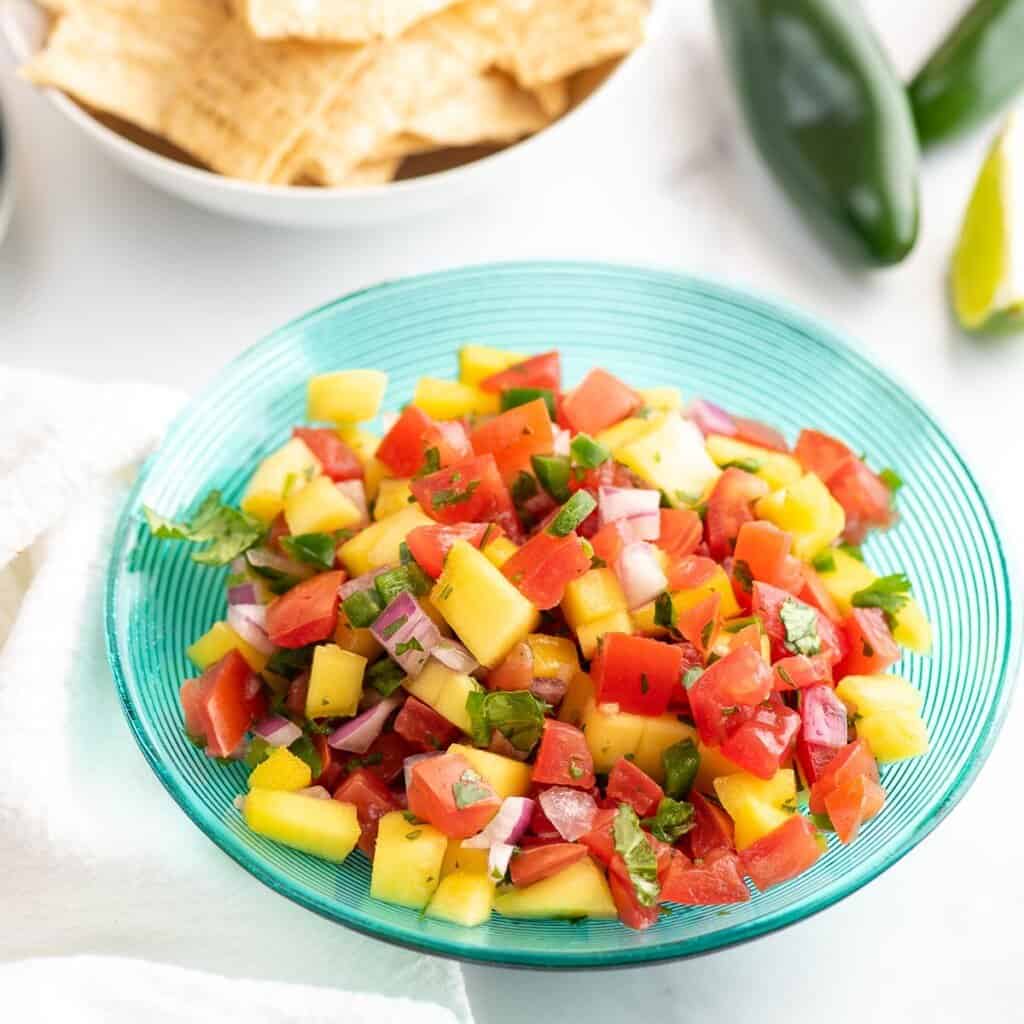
(506, 826)
(360, 583)
(823, 715)
(358, 734)
(355, 491)
(261, 558)
(453, 433)
(253, 685)
(453, 655)
(615, 503)
(407, 633)
(549, 689)
(562, 441)
(414, 759)
(277, 730)
(711, 418)
(645, 527)
(249, 622)
(316, 792)
(640, 574)
(497, 860)
(570, 811)
(243, 593)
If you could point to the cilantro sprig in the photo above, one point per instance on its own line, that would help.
(227, 532)
(517, 715)
(800, 622)
(890, 593)
(672, 819)
(637, 854)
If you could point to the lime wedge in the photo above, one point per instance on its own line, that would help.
(988, 264)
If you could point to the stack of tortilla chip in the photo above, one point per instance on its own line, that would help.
(329, 92)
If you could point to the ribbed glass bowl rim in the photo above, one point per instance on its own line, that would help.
(672, 950)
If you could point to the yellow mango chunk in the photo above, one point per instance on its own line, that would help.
(611, 734)
(659, 733)
(663, 399)
(808, 511)
(489, 615)
(407, 861)
(672, 458)
(554, 657)
(361, 441)
(217, 641)
(323, 828)
(348, 396)
(281, 770)
(589, 635)
(894, 736)
(887, 714)
(319, 507)
(622, 433)
(592, 596)
(445, 691)
(285, 471)
(460, 858)
(335, 682)
(912, 629)
(579, 694)
(463, 897)
(757, 806)
(393, 495)
(581, 890)
(374, 472)
(507, 776)
(499, 551)
(713, 765)
(477, 362)
(776, 469)
(378, 545)
(451, 399)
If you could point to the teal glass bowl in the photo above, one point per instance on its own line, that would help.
(652, 328)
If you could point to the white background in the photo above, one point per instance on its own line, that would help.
(102, 277)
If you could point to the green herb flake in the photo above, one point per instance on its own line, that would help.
(446, 498)
(645, 685)
(891, 479)
(890, 593)
(665, 614)
(691, 675)
(706, 633)
(853, 550)
(742, 575)
(412, 644)
(393, 627)
(747, 465)
(673, 819)
(681, 762)
(524, 487)
(517, 714)
(469, 789)
(315, 549)
(800, 622)
(824, 561)
(637, 854)
(227, 531)
(431, 462)
(414, 834)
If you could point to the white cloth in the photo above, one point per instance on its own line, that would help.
(97, 865)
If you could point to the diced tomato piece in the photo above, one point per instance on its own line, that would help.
(764, 549)
(331, 766)
(423, 727)
(402, 449)
(871, 646)
(700, 624)
(691, 572)
(760, 434)
(632, 913)
(851, 804)
(430, 545)
(681, 532)
(543, 371)
(729, 508)
(866, 500)
(540, 862)
(679, 700)
(782, 854)
(607, 543)
(196, 724)
(545, 565)
(600, 401)
(392, 749)
(447, 792)
(815, 593)
(853, 760)
(600, 840)
(719, 879)
(748, 636)
(224, 703)
(514, 436)
(740, 678)
(338, 460)
(371, 799)
(821, 454)
(761, 740)
(468, 491)
(712, 828)
(637, 673)
(632, 785)
(767, 603)
(798, 672)
(306, 614)
(822, 730)
(563, 757)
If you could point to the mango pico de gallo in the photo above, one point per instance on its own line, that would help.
(553, 652)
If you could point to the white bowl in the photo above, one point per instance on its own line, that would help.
(23, 26)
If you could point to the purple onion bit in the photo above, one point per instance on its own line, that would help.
(405, 630)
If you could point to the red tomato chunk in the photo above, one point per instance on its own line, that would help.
(637, 673)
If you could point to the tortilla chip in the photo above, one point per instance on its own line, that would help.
(244, 103)
(373, 172)
(126, 58)
(553, 97)
(403, 77)
(342, 21)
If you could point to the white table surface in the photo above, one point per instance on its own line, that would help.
(102, 276)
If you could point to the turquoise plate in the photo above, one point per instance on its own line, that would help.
(653, 328)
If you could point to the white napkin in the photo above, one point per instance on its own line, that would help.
(98, 865)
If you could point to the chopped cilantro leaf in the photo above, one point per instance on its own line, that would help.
(443, 499)
(891, 479)
(800, 622)
(469, 789)
(229, 532)
(412, 644)
(637, 854)
(672, 819)
(742, 575)
(665, 613)
(517, 715)
(853, 550)
(824, 561)
(890, 593)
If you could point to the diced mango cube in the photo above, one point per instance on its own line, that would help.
(451, 399)
(378, 545)
(489, 615)
(581, 890)
(477, 362)
(659, 733)
(506, 776)
(500, 550)
(757, 806)
(849, 575)
(589, 635)
(281, 770)
(808, 511)
(374, 471)
(463, 897)
(622, 433)
(713, 765)
(461, 858)
(594, 595)
(361, 441)
(894, 736)
(348, 396)
(579, 694)
(319, 507)
(335, 682)
(445, 690)
(876, 694)
(283, 472)
(393, 495)
(912, 629)
(554, 657)
(776, 469)
(323, 828)
(887, 713)
(217, 641)
(664, 399)
(611, 734)
(672, 458)
(407, 861)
